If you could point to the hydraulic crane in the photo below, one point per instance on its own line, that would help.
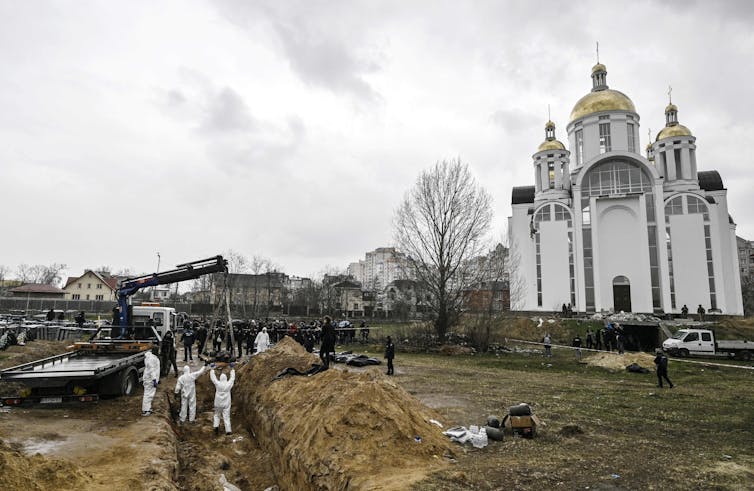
(182, 272)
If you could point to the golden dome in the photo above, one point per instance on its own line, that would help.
(551, 145)
(599, 67)
(671, 107)
(602, 100)
(550, 125)
(675, 130)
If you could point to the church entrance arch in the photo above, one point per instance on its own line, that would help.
(621, 294)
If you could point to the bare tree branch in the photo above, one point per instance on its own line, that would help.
(440, 225)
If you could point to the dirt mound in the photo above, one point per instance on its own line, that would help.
(18, 471)
(34, 350)
(616, 362)
(337, 429)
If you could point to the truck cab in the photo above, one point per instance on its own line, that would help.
(163, 318)
(687, 342)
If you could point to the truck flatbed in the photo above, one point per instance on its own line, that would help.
(80, 367)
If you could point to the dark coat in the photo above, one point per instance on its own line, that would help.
(390, 350)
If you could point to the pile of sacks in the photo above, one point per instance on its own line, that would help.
(478, 436)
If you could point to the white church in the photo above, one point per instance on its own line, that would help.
(607, 229)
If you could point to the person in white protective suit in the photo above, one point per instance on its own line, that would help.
(186, 386)
(262, 340)
(151, 378)
(222, 399)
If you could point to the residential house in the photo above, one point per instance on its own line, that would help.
(91, 286)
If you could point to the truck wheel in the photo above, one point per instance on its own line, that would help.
(745, 355)
(129, 380)
(684, 353)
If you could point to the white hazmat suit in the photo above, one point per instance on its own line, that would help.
(151, 377)
(262, 340)
(222, 399)
(186, 386)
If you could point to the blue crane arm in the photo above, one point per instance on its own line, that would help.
(182, 272)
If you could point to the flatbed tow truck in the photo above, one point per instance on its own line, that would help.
(106, 366)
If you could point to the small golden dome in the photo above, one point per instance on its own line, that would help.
(602, 100)
(671, 107)
(599, 67)
(671, 131)
(551, 145)
(550, 125)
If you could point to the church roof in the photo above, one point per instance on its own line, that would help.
(710, 180)
(602, 100)
(522, 194)
(675, 130)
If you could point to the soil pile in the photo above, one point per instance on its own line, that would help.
(18, 471)
(616, 362)
(337, 429)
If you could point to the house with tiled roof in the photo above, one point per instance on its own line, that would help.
(37, 290)
(91, 286)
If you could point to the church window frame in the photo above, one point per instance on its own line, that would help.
(631, 134)
(580, 146)
(618, 177)
(689, 204)
(555, 212)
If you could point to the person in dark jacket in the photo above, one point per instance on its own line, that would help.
(389, 355)
(577, 346)
(661, 362)
(80, 318)
(50, 315)
(188, 342)
(167, 354)
(328, 342)
(201, 338)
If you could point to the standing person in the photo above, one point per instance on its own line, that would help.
(589, 339)
(167, 354)
(661, 362)
(249, 338)
(620, 340)
(239, 341)
(389, 355)
(116, 317)
(217, 339)
(328, 342)
(262, 341)
(186, 386)
(222, 399)
(81, 318)
(598, 339)
(188, 342)
(50, 315)
(151, 377)
(577, 345)
(684, 311)
(564, 310)
(201, 338)
(547, 341)
(700, 311)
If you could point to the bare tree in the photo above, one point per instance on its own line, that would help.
(41, 274)
(517, 278)
(440, 225)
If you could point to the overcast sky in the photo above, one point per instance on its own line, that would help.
(292, 129)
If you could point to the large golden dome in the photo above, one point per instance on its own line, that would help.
(675, 130)
(602, 100)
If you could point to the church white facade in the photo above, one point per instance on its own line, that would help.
(605, 228)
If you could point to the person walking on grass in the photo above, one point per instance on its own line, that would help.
(577, 346)
(661, 362)
(547, 341)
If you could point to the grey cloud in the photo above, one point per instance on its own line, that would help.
(310, 36)
(514, 120)
(226, 111)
